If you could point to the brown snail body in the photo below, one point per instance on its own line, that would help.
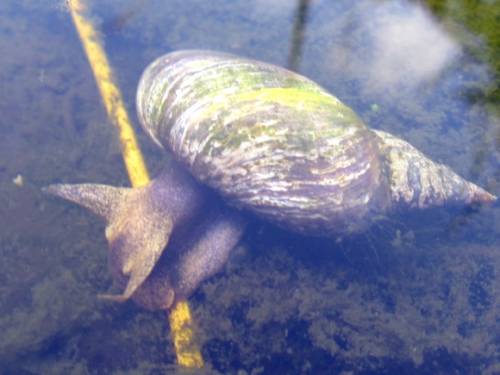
(266, 140)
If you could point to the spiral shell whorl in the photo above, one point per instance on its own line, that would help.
(418, 182)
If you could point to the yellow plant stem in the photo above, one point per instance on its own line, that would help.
(181, 324)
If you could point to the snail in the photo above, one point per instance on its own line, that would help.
(250, 138)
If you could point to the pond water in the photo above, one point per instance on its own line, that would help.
(420, 295)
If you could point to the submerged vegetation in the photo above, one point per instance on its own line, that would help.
(482, 20)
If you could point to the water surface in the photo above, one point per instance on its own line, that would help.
(419, 295)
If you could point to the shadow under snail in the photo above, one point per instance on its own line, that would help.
(250, 137)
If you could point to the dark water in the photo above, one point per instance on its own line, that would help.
(419, 295)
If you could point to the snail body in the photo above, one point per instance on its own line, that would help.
(260, 139)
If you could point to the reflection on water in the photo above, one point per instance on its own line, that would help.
(297, 40)
(409, 49)
(419, 295)
(118, 22)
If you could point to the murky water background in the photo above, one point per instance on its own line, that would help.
(419, 296)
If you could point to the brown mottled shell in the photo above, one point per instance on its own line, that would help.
(271, 141)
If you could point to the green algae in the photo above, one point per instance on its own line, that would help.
(481, 18)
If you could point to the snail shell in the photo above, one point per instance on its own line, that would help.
(275, 143)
